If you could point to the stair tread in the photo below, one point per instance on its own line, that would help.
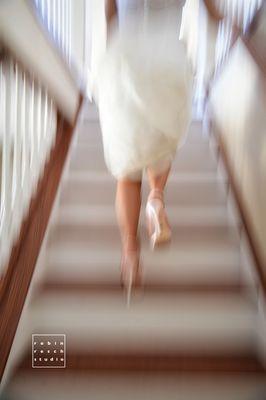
(182, 215)
(192, 256)
(185, 238)
(161, 268)
(94, 252)
(156, 323)
(83, 384)
(177, 193)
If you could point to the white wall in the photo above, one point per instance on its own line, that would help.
(238, 104)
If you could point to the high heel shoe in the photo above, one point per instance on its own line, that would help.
(130, 271)
(157, 223)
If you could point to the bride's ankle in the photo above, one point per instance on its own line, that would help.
(130, 243)
(156, 193)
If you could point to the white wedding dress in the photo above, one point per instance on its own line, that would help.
(144, 87)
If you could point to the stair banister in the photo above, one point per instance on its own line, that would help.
(39, 102)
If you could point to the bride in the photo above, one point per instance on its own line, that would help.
(144, 96)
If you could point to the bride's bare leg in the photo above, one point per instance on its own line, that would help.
(158, 175)
(128, 203)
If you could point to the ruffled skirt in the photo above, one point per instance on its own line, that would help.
(144, 95)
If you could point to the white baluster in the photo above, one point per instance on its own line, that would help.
(48, 15)
(2, 193)
(6, 188)
(17, 171)
(45, 133)
(32, 134)
(54, 19)
(40, 120)
(63, 23)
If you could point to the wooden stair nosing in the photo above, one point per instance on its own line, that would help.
(227, 363)
(99, 286)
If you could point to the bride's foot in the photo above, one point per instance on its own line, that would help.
(157, 222)
(130, 267)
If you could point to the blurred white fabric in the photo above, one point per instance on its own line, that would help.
(199, 33)
(144, 86)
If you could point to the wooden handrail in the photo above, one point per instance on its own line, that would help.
(257, 57)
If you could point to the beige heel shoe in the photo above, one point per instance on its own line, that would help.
(157, 223)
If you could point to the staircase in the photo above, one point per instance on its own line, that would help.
(190, 333)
